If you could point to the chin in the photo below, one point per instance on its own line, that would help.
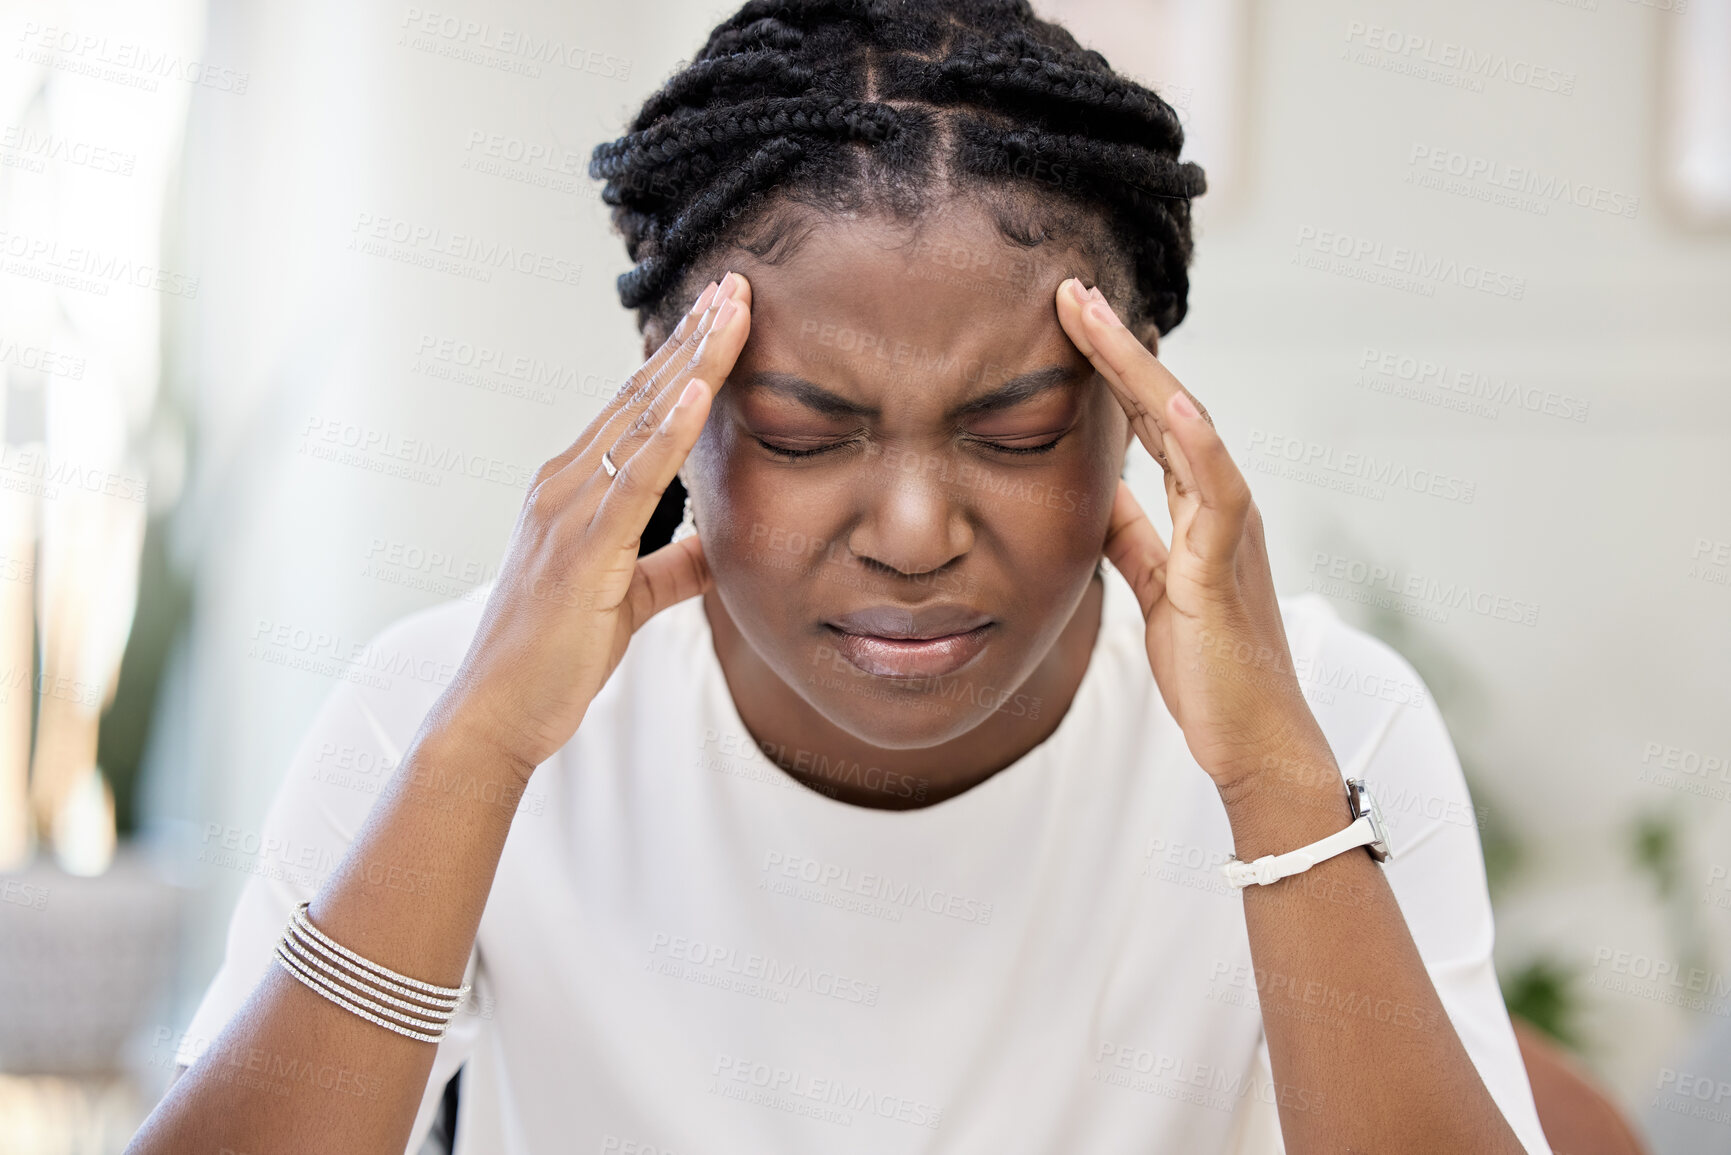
(907, 713)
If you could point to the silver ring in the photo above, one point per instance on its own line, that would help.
(607, 464)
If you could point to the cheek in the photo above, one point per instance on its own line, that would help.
(760, 526)
(1076, 509)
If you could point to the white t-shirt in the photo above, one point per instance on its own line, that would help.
(686, 952)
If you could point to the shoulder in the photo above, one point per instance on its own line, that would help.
(401, 670)
(1351, 678)
(1383, 725)
(671, 658)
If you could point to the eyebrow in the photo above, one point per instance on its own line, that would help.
(1012, 392)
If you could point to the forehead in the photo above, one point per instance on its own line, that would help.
(863, 303)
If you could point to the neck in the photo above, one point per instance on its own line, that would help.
(779, 719)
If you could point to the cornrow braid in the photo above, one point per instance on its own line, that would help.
(837, 102)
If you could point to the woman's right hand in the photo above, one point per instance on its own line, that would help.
(572, 589)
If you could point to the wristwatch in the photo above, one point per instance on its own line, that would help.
(1366, 830)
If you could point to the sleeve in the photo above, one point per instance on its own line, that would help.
(1384, 727)
(1256, 1121)
(354, 744)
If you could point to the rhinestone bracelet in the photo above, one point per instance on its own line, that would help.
(359, 985)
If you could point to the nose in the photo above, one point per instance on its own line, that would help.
(912, 524)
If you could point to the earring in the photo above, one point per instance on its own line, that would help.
(688, 523)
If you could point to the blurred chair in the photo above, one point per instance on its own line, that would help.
(1577, 1117)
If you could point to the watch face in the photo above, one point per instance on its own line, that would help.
(1362, 804)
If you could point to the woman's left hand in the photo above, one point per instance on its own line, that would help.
(1214, 634)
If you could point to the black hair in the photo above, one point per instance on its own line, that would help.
(844, 105)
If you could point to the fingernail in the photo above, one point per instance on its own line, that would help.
(704, 297)
(689, 395)
(1094, 292)
(1102, 312)
(1077, 292)
(1184, 407)
(725, 314)
(729, 284)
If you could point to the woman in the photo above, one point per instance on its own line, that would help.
(886, 811)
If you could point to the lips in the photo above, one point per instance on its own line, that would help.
(899, 642)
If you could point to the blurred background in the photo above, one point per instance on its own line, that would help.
(295, 297)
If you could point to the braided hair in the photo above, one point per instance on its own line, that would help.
(846, 105)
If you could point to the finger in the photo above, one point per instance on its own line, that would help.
(710, 351)
(632, 494)
(667, 577)
(1222, 496)
(583, 472)
(1136, 377)
(677, 341)
(713, 358)
(1134, 548)
(1180, 476)
(631, 407)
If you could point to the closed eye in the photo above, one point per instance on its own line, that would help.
(1000, 447)
(792, 453)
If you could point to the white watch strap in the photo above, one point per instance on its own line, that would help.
(1273, 867)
